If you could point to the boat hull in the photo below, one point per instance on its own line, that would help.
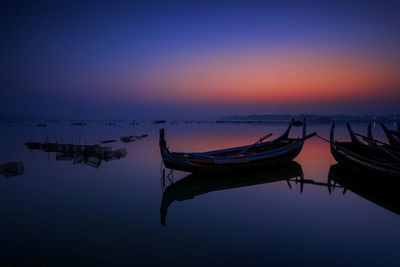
(256, 156)
(362, 164)
(239, 164)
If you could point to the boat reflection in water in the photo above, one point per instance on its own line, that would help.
(202, 183)
(381, 190)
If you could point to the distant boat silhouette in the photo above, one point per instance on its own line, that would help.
(132, 138)
(12, 169)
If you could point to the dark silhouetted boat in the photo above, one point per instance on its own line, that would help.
(132, 138)
(127, 139)
(381, 190)
(108, 141)
(373, 143)
(392, 136)
(376, 144)
(375, 147)
(197, 184)
(12, 169)
(362, 158)
(258, 155)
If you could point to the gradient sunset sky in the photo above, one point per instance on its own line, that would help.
(198, 59)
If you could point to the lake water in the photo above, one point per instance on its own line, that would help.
(61, 213)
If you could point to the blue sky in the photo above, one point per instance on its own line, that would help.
(112, 59)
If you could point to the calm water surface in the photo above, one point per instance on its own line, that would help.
(60, 213)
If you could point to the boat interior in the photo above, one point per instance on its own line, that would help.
(375, 154)
(244, 150)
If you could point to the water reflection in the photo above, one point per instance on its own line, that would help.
(91, 155)
(381, 190)
(58, 209)
(197, 184)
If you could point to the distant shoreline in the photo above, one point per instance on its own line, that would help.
(243, 119)
(258, 118)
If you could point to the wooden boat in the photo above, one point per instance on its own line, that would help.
(361, 157)
(377, 189)
(374, 145)
(392, 136)
(198, 184)
(258, 155)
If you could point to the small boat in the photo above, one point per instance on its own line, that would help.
(108, 141)
(258, 155)
(392, 136)
(196, 184)
(127, 139)
(132, 138)
(12, 169)
(361, 157)
(377, 189)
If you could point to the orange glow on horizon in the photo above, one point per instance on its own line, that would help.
(282, 77)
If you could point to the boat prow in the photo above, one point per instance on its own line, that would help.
(362, 158)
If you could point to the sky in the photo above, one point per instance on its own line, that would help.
(198, 59)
